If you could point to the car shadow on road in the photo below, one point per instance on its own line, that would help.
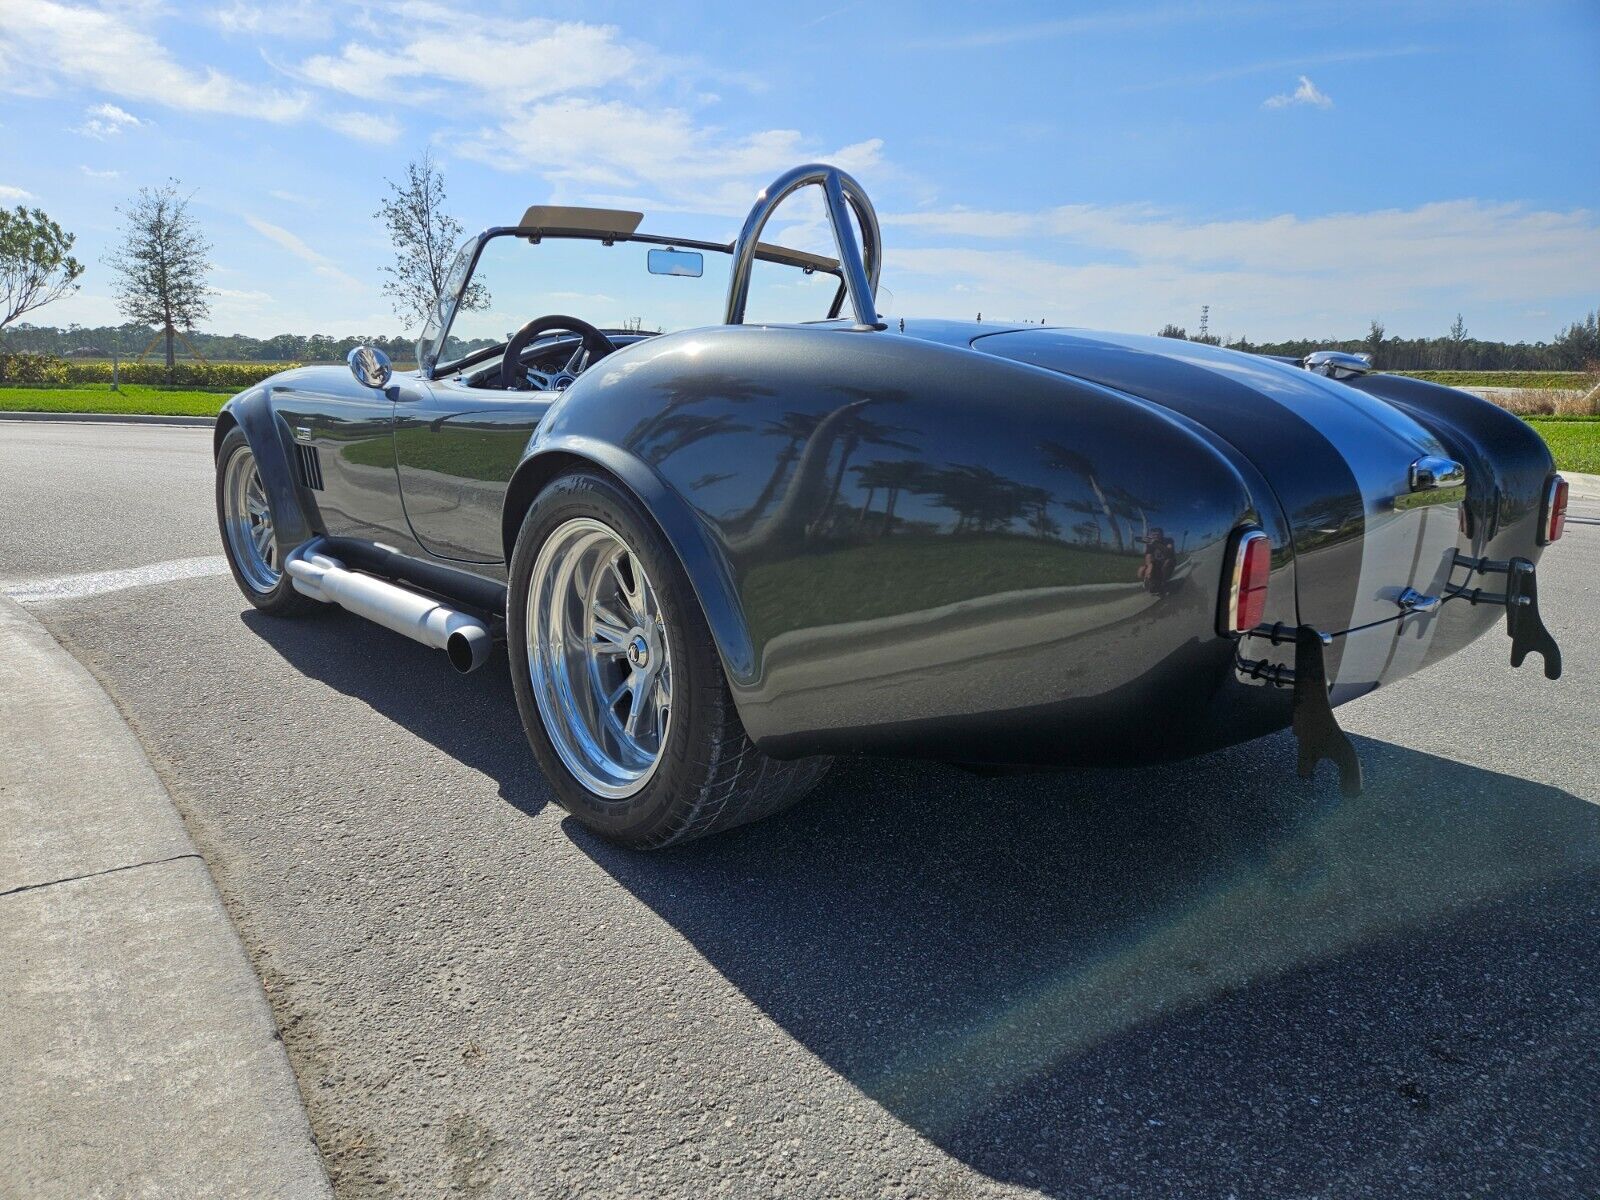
(472, 718)
(1194, 979)
(1200, 978)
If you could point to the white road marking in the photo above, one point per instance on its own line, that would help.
(95, 583)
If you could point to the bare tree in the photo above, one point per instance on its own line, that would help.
(425, 238)
(162, 264)
(35, 267)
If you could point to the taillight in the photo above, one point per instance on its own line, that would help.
(1554, 521)
(1244, 599)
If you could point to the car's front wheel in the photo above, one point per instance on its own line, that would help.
(618, 681)
(249, 537)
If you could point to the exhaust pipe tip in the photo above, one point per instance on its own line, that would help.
(469, 648)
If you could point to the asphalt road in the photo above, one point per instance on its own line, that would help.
(1201, 980)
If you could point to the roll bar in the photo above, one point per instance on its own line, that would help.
(860, 270)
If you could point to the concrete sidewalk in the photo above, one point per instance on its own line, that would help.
(139, 1056)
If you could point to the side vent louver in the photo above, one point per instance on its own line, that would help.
(310, 467)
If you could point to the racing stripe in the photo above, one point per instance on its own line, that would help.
(1335, 457)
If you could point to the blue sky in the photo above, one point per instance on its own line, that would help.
(1301, 168)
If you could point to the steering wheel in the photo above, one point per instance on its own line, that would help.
(594, 346)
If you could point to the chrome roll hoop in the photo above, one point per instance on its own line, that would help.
(859, 265)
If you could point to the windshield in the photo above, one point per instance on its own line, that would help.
(609, 286)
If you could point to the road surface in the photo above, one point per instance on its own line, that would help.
(1202, 979)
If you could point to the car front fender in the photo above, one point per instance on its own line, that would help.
(272, 444)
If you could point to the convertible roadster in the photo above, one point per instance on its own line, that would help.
(719, 549)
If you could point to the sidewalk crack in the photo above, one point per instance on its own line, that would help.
(154, 862)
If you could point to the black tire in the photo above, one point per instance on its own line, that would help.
(710, 776)
(281, 600)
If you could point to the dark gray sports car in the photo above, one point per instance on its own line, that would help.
(718, 555)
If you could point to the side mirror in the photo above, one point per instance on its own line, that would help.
(370, 367)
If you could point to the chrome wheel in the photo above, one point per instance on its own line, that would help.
(598, 658)
(248, 522)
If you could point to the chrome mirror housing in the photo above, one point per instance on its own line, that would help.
(1336, 364)
(370, 367)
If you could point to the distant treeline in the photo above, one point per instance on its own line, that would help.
(126, 341)
(1575, 348)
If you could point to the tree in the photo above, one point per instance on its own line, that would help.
(425, 238)
(1170, 330)
(1578, 345)
(1373, 343)
(35, 267)
(1458, 341)
(162, 263)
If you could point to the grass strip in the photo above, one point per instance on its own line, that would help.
(132, 399)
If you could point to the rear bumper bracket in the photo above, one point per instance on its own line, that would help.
(1521, 600)
(1315, 728)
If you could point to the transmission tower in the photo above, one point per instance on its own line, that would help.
(1205, 321)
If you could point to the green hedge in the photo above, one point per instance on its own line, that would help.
(62, 372)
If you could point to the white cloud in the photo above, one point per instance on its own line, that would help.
(45, 40)
(588, 119)
(303, 19)
(292, 243)
(105, 121)
(106, 174)
(1136, 268)
(291, 197)
(8, 193)
(614, 150)
(366, 127)
(1306, 93)
(487, 62)
(1126, 19)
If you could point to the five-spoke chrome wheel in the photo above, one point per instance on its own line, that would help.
(598, 658)
(248, 522)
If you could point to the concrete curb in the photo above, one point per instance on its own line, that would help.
(108, 418)
(1582, 487)
(140, 1055)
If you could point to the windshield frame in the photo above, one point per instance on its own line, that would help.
(430, 343)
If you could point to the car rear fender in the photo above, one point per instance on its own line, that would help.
(549, 457)
(1508, 464)
(843, 602)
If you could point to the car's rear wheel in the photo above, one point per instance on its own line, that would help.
(618, 680)
(249, 538)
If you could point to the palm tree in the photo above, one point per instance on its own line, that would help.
(854, 430)
(795, 428)
(893, 476)
(1064, 458)
(981, 498)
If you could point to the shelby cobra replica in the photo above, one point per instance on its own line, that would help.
(718, 555)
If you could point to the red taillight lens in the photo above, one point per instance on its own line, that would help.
(1555, 512)
(1244, 602)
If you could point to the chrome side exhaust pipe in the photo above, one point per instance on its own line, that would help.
(465, 639)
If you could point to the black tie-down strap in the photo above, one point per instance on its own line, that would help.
(1524, 625)
(1315, 729)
